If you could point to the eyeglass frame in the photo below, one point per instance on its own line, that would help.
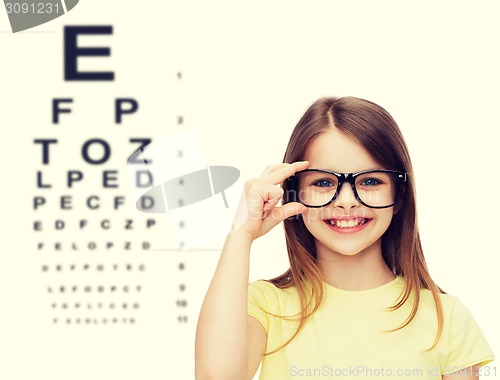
(350, 178)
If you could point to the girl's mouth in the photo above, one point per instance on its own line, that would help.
(351, 225)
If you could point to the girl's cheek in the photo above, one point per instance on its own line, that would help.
(311, 215)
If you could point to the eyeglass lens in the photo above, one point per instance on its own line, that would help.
(374, 189)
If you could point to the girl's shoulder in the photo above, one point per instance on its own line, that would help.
(266, 293)
(448, 300)
(464, 338)
(266, 287)
(454, 310)
(264, 297)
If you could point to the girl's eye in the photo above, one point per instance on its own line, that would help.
(370, 182)
(323, 183)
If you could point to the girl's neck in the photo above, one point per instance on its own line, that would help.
(364, 270)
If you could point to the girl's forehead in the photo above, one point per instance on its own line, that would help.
(334, 150)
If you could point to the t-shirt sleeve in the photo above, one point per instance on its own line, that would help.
(468, 345)
(258, 302)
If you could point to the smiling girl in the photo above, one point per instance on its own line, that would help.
(357, 301)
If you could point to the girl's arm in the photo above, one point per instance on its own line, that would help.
(230, 343)
(222, 336)
(257, 344)
(469, 373)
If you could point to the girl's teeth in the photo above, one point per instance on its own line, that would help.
(347, 223)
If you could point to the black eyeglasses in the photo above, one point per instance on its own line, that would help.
(377, 188)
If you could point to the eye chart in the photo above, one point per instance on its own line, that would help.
(124, 210)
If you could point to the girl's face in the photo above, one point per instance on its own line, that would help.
(333, 150)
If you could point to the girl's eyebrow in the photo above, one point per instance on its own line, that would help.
(336, 171)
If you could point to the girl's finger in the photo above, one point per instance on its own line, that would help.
(278, 214)
(272, 194)
(269, 205)
(278, 175)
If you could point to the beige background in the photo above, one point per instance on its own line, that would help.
(249, 72)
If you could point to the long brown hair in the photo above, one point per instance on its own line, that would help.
(375, 129)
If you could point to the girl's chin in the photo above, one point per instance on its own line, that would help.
(344, 252)
(329, 249)
(340, 247)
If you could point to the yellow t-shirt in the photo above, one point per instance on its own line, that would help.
(346, 339)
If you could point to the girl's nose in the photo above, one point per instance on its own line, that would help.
(346, 198)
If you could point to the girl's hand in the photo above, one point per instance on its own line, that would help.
(257, 213)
